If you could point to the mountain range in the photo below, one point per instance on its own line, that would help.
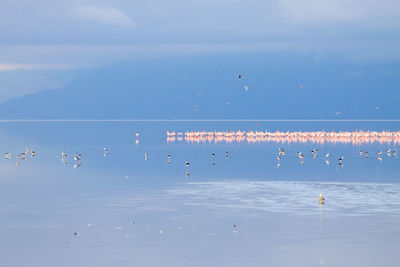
(230, 86)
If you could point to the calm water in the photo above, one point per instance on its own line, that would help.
(123, 210)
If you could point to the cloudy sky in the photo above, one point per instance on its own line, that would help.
(70, 34)
(64, 33)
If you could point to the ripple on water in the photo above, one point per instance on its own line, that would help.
(342, 199)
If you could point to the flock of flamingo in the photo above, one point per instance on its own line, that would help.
(319, 137)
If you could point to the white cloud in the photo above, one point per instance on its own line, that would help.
(105, 14)
(338, 11)
(18, 66)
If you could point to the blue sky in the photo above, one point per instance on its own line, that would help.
(62, 35)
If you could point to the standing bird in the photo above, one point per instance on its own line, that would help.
(169, 159)
(321, 199)
(340, 161)
(246, 88)
(379, 155)
(146, 156)
(77, 156)
(64, 158)
(187, 164)
(105, 152)
(327, 158)
(314, 153)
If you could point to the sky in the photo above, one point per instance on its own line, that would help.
(72, 34)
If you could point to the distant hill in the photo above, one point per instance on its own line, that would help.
(208, 87)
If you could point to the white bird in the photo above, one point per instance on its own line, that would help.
(321, 199)
(246, 88)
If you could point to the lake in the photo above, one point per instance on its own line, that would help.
(211, 202)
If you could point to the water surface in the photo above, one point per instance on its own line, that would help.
(123, 210)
